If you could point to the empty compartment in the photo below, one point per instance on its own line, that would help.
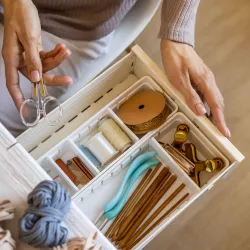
(57, 174)
(205, 150)
(104, 139)
(93, 199)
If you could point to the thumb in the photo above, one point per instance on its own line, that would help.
(33, 61)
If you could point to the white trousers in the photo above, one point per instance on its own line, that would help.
(83, 56)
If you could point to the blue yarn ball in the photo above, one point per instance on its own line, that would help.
(40, 225)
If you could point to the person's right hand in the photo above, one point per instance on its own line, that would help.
(189, 74)
(22, 41)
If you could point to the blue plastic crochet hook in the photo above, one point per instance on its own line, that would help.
(121, 202)
(111, 214)
(134, 165)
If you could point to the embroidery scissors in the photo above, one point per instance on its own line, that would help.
(39, 106)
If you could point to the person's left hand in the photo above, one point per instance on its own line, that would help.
(51, 60)
(189, 74)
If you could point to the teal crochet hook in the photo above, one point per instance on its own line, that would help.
(137, 162)
(111, 214)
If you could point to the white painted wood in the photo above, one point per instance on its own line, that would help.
(83, 106)
(6, 140)
(20, 173)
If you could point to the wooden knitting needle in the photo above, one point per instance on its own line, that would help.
(145, 199)
(115, 223)
(139, 207)
(155, 214)
(146, 210)
(131, 202)
(128, 247)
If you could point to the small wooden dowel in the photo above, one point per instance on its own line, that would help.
(128, 247)
(131, 202)
(146, 210)
(145, 199)
(115, 224)
(155, 214)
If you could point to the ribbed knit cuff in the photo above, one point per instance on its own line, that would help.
(178, 20)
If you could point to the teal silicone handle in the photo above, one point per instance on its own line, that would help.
(134, 165)
(117, 209)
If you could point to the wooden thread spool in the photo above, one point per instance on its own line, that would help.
(114, 134)
(144, 111)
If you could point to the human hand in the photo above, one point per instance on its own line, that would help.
(22, 41)
(188, 73)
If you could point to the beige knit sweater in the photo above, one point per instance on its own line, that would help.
(93, 19)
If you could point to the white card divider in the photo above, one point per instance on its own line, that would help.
(205, 148)
(173, 167)
(57, 174)
(92, 128)
(68, 150)
(107, 184)
(93, 169)
(121, 124)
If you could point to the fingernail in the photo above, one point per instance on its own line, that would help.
(201, 109)
(228, 133)
(34, 76)
(67, 54)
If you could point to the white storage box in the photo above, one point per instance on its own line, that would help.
(101, 98)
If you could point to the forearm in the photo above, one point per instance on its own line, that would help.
(6, 3)
(178, 20)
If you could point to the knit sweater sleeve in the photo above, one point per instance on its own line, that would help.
(178, 20)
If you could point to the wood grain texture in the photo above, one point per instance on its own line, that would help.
(129, 204)
(143, 201)
(222, 215)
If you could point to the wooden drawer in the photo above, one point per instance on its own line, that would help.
(101, 98)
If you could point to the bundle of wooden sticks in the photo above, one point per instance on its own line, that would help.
(133, 223)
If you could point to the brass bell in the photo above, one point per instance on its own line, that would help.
(212, 165)
(180, 136)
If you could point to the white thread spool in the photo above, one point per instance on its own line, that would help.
(101, 148)
(114, 134)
